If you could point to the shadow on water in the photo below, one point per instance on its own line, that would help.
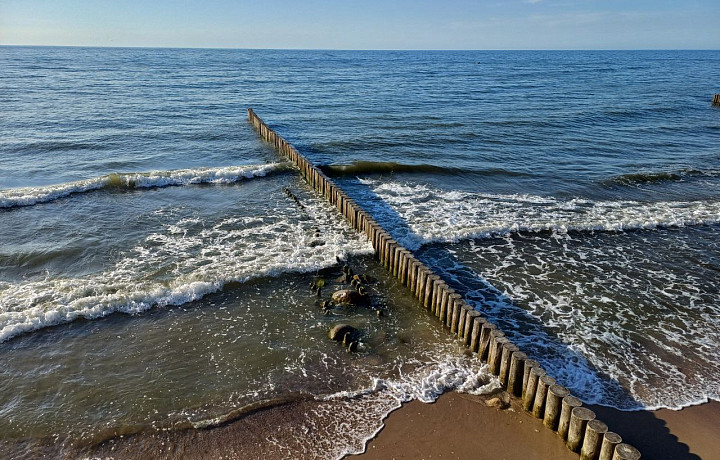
(640, 428)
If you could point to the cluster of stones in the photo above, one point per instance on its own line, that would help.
(521, 377)
(357, 295)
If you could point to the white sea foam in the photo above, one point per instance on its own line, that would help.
(626, 319)
(181, 263)
(29, 196)
(421, 214)
(343, 423)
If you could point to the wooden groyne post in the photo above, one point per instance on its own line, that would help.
(716, 100)
(521, 377)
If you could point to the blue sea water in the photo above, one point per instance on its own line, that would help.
(571, 196)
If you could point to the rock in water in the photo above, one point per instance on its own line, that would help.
(338, 332)
(347, 296)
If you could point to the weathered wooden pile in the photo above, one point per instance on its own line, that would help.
(521, 377)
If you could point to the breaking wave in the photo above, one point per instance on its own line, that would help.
(616, 298)
(387, 167)
(29, 196)
(660, 176)
(366, 410)
(181, 263)
(420, 214)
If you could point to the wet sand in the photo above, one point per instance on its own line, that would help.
(251, 436)
(689, 434)
(459, 426)
(456, 426)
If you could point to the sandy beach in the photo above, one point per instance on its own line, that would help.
(691, 433)
(460, 426)
(456, 426)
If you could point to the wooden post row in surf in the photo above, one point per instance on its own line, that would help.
(716, 100)
(521, 377)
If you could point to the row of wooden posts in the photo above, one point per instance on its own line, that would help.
(521, 377)
(716, 100)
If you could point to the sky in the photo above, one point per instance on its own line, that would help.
(364, 24)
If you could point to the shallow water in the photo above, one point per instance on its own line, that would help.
(153, 274)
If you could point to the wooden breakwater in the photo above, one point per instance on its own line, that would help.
(716, 100)
(521, 377)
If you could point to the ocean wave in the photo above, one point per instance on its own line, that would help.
(401, 138)
(52, 146)
(366, 409)
(612, 307)
(29, 196)
(342, 423)
(386, 167)
(660, 176)
(380, 167)
(352, 145)
(184, 262)
(418, 214)
(624, 320)
(524, 244)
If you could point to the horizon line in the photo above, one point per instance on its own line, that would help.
(345, 49)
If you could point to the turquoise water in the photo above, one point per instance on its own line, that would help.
(573, 197)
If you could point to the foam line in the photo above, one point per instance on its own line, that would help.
(433, 215)
(200, 256)
(29, 196)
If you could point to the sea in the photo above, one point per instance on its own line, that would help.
(156, 277)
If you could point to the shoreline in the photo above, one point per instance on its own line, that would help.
(462, 426)
(455, 426)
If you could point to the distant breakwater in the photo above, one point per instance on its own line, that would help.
(520, 376)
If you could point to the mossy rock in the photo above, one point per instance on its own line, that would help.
(347, 297)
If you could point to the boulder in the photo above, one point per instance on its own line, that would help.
(338, 332)
(347, 296)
